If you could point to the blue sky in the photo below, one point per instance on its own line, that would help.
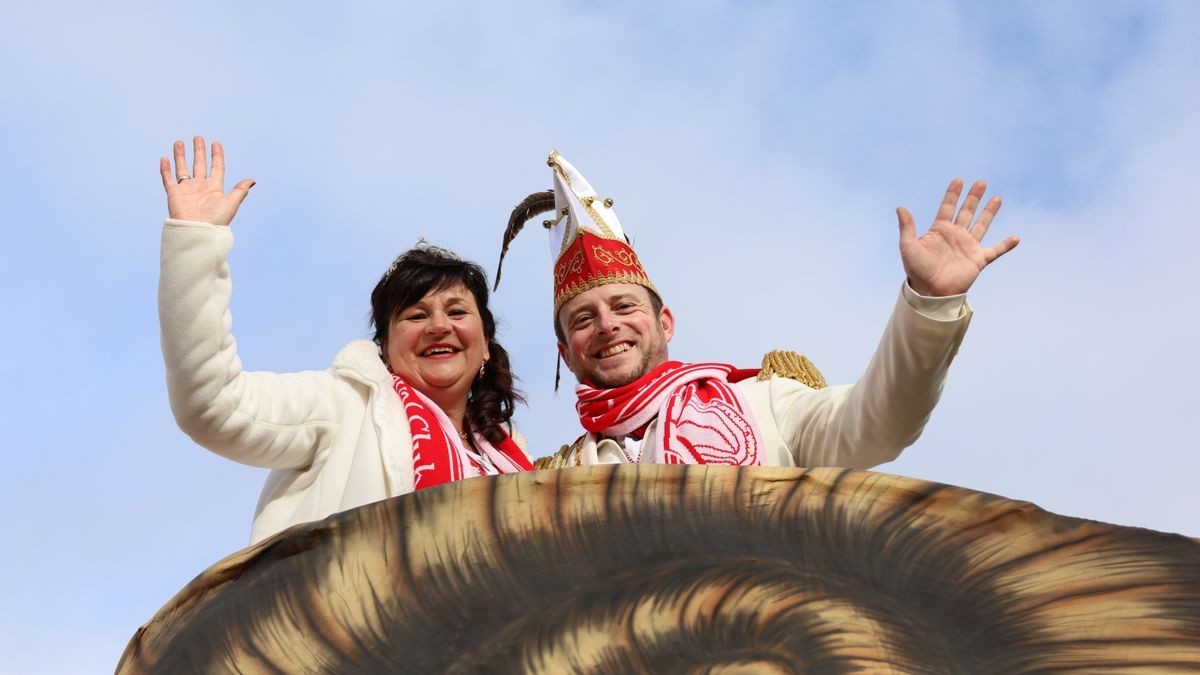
(756, 152)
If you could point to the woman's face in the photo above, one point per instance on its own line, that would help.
(437, 345)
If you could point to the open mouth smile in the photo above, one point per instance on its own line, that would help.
(614, 350)
(440, 350)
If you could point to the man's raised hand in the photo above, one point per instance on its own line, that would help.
(199, 194)
(948, 258)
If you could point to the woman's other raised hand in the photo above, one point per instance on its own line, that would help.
(200, 194)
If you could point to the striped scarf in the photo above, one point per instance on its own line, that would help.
(439, 455)
(702, 417)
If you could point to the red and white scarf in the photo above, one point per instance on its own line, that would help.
(702, 417)
(439, 455)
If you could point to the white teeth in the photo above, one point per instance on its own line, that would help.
(438, 350)
(615, 349)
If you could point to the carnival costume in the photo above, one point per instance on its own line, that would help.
(781, 414)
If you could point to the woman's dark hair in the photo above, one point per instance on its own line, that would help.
(426, 268)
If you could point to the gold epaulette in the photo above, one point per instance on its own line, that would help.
(791, 365)
(560, 459)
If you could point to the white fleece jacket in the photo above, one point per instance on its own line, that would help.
(333, 439)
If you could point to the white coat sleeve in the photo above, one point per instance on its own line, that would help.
(272, 420)
(873, 420)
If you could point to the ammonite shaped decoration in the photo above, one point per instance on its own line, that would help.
(690, 570)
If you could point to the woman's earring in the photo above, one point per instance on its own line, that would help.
(481, 367)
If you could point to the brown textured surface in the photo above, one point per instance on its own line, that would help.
(690, 569)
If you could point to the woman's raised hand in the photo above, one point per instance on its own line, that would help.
(200, 194)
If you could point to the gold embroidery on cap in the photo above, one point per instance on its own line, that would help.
(620, 278)
(599, 220)
(602, 255)
(565, 267)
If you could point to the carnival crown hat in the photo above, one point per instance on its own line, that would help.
(587, 244)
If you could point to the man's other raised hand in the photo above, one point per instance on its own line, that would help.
(948, 258)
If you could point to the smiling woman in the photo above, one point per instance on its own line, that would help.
(428, 402)
(438, 340)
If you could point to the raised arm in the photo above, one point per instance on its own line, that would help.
(263, 419)
(200, 195)
(886, 410)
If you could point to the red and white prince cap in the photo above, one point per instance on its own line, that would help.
(587, 244)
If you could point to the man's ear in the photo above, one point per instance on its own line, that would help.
(562, 353)
(667, 320)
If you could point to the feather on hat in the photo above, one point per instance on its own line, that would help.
(587, 244)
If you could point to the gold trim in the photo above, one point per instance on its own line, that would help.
(567, 241)
(782, 363)
(566, 267)
(553, 162)
(585, 201)
(624, 256)
(622, 278)
(555, 461)
(597, 218)
(562, 458)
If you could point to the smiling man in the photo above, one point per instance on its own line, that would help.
(618, 332)
(638, 406)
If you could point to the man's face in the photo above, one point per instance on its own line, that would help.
(613, 335)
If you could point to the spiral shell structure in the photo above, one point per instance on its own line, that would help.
(690, 570)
